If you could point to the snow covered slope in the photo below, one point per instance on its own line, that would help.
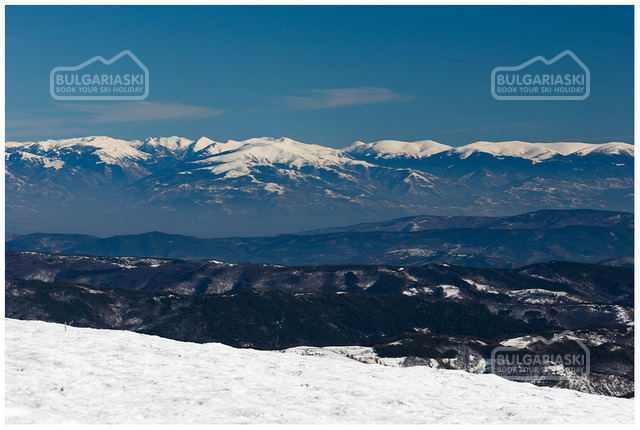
(101, 376)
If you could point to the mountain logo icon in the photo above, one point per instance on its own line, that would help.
(123, 77)
(564, 356)
(564, 77)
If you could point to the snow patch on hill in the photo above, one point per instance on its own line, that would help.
(45, 162)
(481, 287)
(451, 291)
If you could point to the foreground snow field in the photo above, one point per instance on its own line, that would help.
(102, 376)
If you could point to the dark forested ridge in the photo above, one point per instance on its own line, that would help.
(580, 236)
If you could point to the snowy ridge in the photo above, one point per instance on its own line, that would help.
(543, 151)
(395, 148)
(236, 157)
(110, 150)
(387, 149)
(102, 376)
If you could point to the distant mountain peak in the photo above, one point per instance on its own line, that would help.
(202, 143)
(394, 148)
(238, 156)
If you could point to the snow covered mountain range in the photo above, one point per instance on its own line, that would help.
(536, 152)
(102, 185)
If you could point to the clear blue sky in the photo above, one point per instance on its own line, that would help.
(321, 74)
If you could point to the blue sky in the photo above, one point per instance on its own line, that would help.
(321, 74)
